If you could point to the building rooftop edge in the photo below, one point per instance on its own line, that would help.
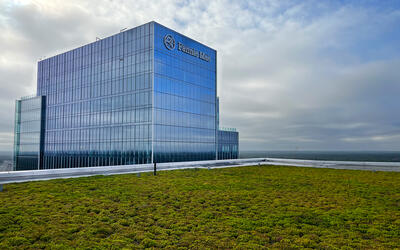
(184, 35)
(123, 32)
(28, 97)
(227, 129)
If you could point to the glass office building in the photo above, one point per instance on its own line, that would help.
(29, 132)
(228, 143)
(144, 95)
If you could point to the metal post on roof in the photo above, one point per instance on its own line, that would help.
(155, 169)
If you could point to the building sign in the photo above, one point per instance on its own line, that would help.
(169, 43)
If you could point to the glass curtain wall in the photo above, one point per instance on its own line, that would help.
(184, 99)
(228, 145)
(28, 140)
(99, 99)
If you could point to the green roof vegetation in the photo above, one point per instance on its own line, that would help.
(244, 207)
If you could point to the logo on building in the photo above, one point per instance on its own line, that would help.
(169, 42)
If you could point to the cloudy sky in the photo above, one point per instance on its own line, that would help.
(307, 75)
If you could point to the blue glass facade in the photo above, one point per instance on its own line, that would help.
(99, 102)
(144, 95)
(184, 99)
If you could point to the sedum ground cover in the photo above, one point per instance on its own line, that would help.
(246, 207)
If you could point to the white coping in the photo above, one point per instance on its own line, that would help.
(36, 175)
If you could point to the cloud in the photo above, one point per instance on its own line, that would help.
(305, 75)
